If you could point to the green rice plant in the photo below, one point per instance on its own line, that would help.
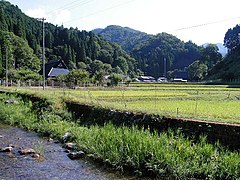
(204, 102)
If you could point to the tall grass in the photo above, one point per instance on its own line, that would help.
(166, 155)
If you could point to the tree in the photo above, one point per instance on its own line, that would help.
(61, 78)
(122, 63)
(232, 38)
(1, 62)
(115, 79)
(81, 55)
(23, 74)
(78, 76)
(210, 55)
(117, 70)
(82, 65)
(96, 65)
(3, 24)
(107, 68)
(197, 71)
(105, 56)
(19, 28)
(99, 77)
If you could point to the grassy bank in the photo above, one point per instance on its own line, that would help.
(168, 155)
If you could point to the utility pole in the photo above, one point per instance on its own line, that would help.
(43, 50)
(6, 83)
(165, 67)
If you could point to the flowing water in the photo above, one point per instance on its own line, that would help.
(55, 163)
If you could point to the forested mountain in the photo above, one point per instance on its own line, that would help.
(128, 38)
(77, 48)
(178, 55)
(151, 50)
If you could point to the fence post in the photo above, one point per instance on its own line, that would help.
(196, 105)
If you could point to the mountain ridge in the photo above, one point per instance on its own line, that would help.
(127, 37)
(104, 32)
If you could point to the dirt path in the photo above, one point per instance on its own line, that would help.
(54, 165)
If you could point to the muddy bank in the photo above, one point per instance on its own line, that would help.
(54, 164)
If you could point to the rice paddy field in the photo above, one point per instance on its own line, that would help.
(219, 103)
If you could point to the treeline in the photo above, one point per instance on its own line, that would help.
(79, 49)
(155, 53)
(228, 68)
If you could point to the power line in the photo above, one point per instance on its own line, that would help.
(101, 11)
(206, 24)
(70, 5)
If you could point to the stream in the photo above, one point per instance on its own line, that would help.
(55, 164)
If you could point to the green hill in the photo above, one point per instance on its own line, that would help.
(151, 50)
(128, 38)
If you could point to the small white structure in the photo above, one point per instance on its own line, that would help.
(146, 79)
(179, 80)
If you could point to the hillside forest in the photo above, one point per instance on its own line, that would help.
(111, 50)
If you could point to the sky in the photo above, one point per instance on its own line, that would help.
(201, 21)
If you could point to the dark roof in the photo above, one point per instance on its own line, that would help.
(57, 71)
(56, 65)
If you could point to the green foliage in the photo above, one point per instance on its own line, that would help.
(121, 62)
(210, 55)
(96, 65)
(99, 77)
(128, 38)
(61, 78)
(78, 76)
(178, 55)
(115, 79)
(197, 71)
(3, 23)
(19, 54)
(1, 62)
(227, 70)
(71, 45)
(24, 74)
(232, 38)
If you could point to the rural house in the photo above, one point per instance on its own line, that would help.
(54, 68)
